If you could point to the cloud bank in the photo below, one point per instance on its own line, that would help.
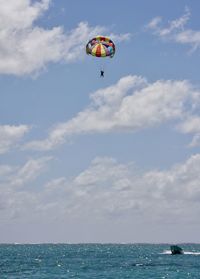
(130, 105)
(105, 190)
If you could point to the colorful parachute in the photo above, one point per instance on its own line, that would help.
(101, 46)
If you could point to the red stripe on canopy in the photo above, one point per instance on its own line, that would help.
(98, 50)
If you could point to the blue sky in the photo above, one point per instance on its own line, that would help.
(90, 159)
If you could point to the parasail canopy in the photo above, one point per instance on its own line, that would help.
(101, 46)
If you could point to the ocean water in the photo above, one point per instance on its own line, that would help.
(90, 261)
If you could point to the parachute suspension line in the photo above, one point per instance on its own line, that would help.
(102, 65)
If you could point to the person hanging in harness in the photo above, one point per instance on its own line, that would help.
(102, 73)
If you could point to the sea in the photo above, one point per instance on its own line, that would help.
(92, 261)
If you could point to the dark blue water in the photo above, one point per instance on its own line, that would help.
(112, 261)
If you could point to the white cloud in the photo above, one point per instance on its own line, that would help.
(154, 23)
(26, 48)
(120, 37)
(17, 198)
(173, 26)
(20, 14)
(131, 104)
(29, 172)
(176, 30)
(109, 189)
(191, 125)
(19, 176)
(105, 190)
(10, 136)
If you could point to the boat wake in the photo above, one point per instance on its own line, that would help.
(191, 253)
(168, 252)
